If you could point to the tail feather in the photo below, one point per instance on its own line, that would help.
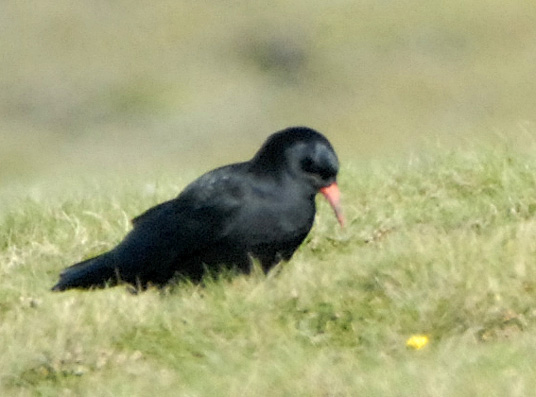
(95, 272)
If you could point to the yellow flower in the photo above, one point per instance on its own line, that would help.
(417, 341)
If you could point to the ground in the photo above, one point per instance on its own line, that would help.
(442, 246)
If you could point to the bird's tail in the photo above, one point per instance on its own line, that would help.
(95, 272)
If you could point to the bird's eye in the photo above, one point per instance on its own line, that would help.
(318, 162)
(314, 168)
(308, 165)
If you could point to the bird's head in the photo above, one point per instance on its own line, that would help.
(307, 156)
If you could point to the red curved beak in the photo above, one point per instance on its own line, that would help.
(333, 195)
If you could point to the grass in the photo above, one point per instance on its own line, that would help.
(442, 245)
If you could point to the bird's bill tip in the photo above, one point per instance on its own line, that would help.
(333, 195)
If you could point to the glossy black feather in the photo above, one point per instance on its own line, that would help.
(263, 208)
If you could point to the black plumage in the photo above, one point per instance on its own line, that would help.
(262, 208)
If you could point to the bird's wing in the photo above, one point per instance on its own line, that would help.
(186, 225)
(220, 189)
(152, 212)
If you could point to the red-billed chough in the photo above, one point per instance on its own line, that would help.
(262, 209)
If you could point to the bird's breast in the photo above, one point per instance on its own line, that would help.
(272, 221)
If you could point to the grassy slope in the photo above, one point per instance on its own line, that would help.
(442, 245)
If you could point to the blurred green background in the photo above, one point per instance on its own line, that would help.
(136, 86)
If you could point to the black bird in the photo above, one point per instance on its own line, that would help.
(262, 208)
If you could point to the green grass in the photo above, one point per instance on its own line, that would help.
(442, 245)
(134, 100)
